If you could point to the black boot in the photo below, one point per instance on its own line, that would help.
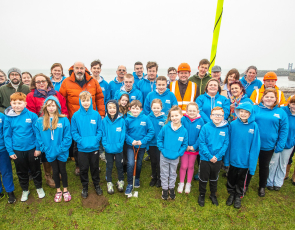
(237, 202)
(84, 193)
(201, 200)
(276, 188)
(98, 190)
(230, 200)
(153, 182)
(11, 198)
(261, 192)
(164, 194)
(158, 184)
(214, 200)
(269, 187)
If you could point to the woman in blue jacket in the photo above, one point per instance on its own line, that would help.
(211, 99)
(279, 161)
(54, 137)
(273, 128)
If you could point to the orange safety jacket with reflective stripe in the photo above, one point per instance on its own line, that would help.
(189, 95)
(258, 93)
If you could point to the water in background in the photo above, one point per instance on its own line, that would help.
(109, 75)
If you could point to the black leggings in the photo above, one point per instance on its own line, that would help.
(59, 167)
(155, 162)
(264, 159)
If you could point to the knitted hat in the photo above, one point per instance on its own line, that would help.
(270, 76)
(14, 69)
(184, 67)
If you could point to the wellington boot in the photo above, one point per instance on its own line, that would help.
(287, 172)
(48, 176)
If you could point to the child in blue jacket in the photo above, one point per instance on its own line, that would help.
(243, 152)
(22, 145)
(5, 167)
(86, 131)
(158, 119)
(213, 143)
(193, 123)
(139, 131)
(54, 137)
(172, 142)
(113, 137)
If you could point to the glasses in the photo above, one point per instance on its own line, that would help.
(39, 82)
(2, 76)
(172, 73)
(121, 70)
(217, 115)
(14, 74)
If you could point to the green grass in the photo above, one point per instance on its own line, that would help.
(148, 211)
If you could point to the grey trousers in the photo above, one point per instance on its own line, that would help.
(168, 172)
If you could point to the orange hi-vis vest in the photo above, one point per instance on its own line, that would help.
(189, 95)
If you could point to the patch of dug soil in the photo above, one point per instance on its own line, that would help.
(32, 199)
(96, 202)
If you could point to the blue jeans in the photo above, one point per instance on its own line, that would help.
(6, 172)
(277, 168)
(130, 163)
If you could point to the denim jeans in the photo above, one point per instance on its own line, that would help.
(130, 163)
(277, 168)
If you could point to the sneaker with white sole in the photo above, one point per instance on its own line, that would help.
(187, 189)
(41, 193)
(110, 188)
(180, 187)
(25, 196)
(103, 157)
(120, 186)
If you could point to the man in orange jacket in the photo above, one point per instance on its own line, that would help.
(78, 81)
(269, 80)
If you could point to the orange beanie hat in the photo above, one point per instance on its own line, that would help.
(184, 67)
(270, 76)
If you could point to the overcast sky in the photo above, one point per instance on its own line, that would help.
(35, 34)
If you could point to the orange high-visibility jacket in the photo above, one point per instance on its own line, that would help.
(258, 93)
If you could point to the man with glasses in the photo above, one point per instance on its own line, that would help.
(172, 74)
(15, 85)
(118, 82)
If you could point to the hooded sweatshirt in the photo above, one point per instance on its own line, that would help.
(113, 132)
(201, 82)
(291, 135)
(105, 89)
(114, 86)
(134, 94)
(168, 99)
(273, 127)
(207, 103)
(158, 123)
(172, 143)
(136, 78)
(56, 85)
(86, 128)
(250, 87)
(146, 86)
(2, 144)
(193, 127)
(20, 131)
(213, 140)
(139, 128)
(55, 143)
(244, 142)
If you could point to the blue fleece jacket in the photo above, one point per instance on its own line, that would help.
(207, 103)
(244, 142)
(134, 94)
(139, 128)
(2, 144)
(244, 99)
(193, 128)
(136, 78)
(56, 85)
(146, 86)
(114, 86)
(213, 141)
(20, 131)
(250, 87)
(105, 89)
(54, 143)
(168, 100)
(113, 134)
(273, 127)
(291, 135)
(158, 123)
(86, 128)
(172, 143)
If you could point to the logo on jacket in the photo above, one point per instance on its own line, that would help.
(198, 127)
(222, 133)
(93, 122)
(251, 131)
(219, 102)
(161, 123)
(59, 125)
(28, 120)
(133, 97)
(167, 101)
(277, 115)
(143, 123)
(180, 138)
(118, 129)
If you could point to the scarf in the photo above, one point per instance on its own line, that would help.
(234, 102)
(44, 92)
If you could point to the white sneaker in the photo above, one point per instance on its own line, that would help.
(180, 187)
(102, 157)
(25, 196)
(41, 193)
(188, 188)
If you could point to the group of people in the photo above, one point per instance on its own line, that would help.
(231, 124)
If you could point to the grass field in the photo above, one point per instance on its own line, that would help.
(148, 211)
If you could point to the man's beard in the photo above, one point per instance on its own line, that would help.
(79, 77)
(15, 81)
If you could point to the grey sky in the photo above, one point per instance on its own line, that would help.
(35, 34)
